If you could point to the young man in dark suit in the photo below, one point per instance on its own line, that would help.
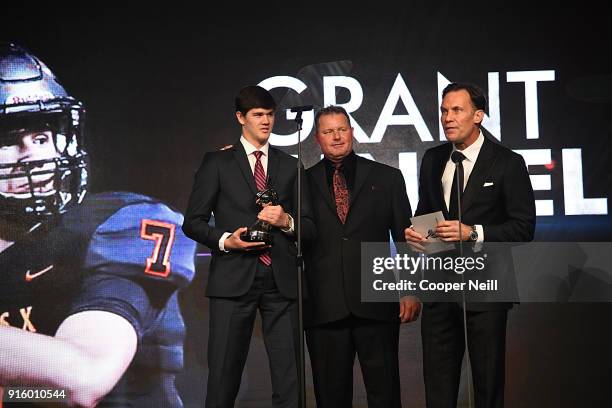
(497, 205)
(247, 276)
(355, 200)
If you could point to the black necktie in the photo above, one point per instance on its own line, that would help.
(453, 210)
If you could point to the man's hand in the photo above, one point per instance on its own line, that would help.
(449, 231)
(234, 243)
(274, 215)
(414, 239)
(410, 307)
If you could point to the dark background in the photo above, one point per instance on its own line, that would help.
(158, 83)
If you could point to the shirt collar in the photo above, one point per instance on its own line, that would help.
(471, 152)
(249, 148)
(348, 162)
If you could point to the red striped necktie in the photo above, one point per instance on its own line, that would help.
(260, 183)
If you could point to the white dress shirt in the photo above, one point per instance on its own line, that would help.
(471, 154)
(250, 150)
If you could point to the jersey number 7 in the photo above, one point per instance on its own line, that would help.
(163, 235)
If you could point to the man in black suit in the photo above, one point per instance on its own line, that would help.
(355, 200)
(247, 276)
(497, 206)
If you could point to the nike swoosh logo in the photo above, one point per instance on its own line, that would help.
(30, 276)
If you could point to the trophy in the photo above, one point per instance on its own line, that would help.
(261, 231)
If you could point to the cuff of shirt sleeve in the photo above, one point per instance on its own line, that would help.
(291, 224)
(222, 241)
(480, 232)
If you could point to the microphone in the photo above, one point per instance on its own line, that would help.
(302, 108)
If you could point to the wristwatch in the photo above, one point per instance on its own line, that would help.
(473, 234)
(287, 226)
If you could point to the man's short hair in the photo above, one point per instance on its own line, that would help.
(253, 96)
(330, 110)
(479, 101)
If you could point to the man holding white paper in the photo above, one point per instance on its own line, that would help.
(497, 205)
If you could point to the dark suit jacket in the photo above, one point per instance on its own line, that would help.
(505, 209)
(224, 186)
(379, 204)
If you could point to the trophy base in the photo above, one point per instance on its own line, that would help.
(254, 235)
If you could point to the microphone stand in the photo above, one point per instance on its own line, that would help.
(300, 264)
(459, 187)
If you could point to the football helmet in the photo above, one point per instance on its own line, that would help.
(32, 100)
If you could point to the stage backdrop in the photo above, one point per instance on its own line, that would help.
(159, 83)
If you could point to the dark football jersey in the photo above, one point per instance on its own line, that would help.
(118, 252)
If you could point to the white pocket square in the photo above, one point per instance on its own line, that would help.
(488, 184)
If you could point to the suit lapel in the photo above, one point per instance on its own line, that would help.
(320, 179)
(243, 164)
(362, 170)
(486, 159)
(437, 178)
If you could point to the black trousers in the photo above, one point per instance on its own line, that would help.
(231, 328)
(443, 348)
(332, 349)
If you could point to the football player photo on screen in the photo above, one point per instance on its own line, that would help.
(88, 282)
